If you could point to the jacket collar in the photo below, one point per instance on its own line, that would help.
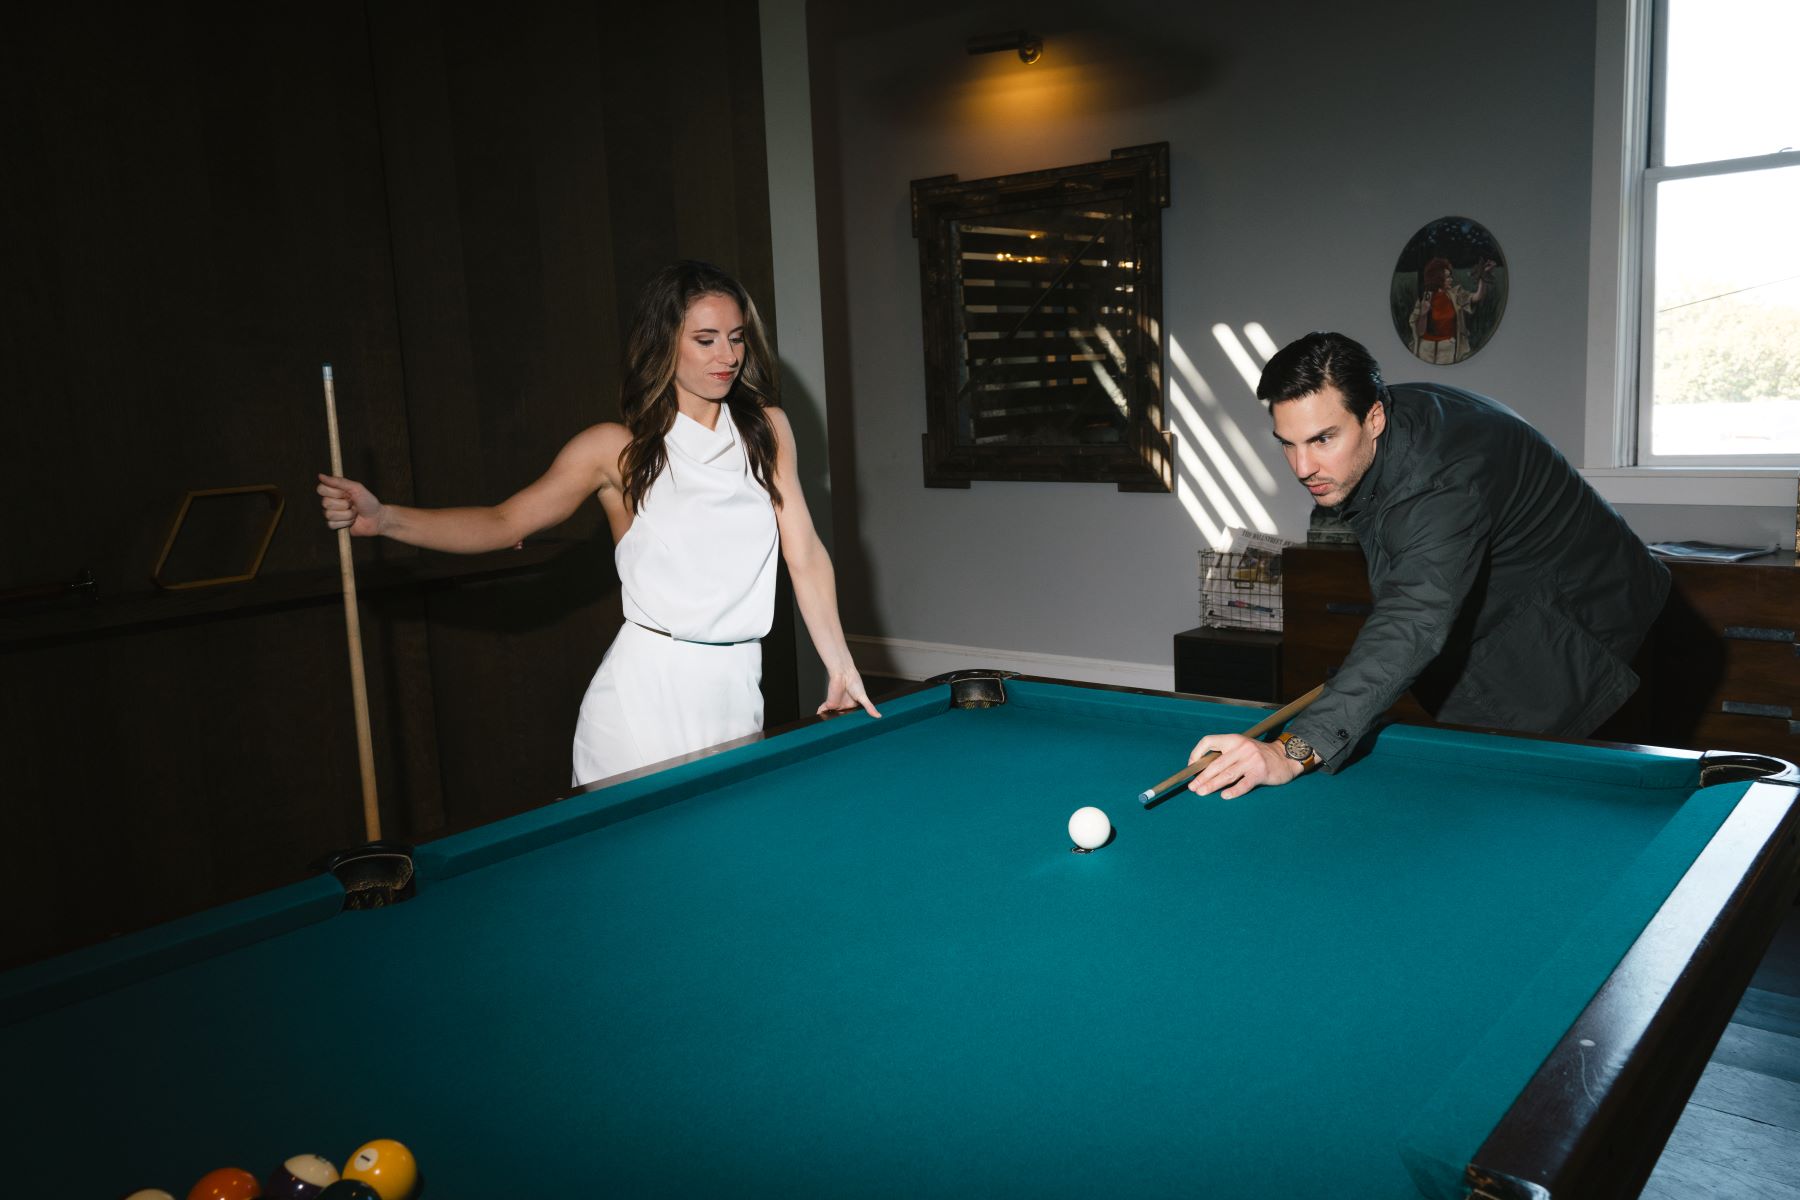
(1365, 497)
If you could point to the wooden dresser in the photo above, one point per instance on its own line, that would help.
(1721, 670)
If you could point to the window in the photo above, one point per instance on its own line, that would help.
(1717, 325)
(1698, 153)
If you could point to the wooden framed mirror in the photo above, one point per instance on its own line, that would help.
(1043, 323)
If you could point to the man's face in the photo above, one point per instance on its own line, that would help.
(1328, 450)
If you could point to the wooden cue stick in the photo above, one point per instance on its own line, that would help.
(359, 688)
(1279, 717)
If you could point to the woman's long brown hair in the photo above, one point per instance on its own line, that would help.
(647, 396)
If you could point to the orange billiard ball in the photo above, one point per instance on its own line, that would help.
(226, 1183)
(386, 1166)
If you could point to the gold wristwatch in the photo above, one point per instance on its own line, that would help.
(1300, 750)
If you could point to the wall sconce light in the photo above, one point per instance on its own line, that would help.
(1029, 45)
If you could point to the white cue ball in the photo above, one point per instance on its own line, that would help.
(1089, 828)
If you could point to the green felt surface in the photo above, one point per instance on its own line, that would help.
(868, 964)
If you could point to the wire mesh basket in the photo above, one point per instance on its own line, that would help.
(1241, 589)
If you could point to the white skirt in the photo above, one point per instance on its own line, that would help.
(654, 698)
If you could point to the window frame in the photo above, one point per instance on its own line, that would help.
(1621, 281)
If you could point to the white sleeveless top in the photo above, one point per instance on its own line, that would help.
(698, 562)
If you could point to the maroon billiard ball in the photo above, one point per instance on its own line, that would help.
(301, 1177)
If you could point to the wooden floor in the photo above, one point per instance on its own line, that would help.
(1740, 1134)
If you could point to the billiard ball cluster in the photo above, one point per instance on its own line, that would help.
(379, 1170)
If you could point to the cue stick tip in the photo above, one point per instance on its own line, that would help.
(327, 372)
(1146, 796)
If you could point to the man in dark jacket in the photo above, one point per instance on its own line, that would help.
(1508, 594)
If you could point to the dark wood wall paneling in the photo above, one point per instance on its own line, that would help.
(454, 205)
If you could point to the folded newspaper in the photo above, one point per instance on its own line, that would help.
(1708, 551)
(1240, 587)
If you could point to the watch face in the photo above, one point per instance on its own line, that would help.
(1298, 748)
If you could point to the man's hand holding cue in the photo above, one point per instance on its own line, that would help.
(1243, 764)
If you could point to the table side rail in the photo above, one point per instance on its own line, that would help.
(92, 970)
(594, 806)
(1593, 1119)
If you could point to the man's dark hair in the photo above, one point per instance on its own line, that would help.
(1321, 360)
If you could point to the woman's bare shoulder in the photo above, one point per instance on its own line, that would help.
(605, 441)
(595, 451)
(778, 420)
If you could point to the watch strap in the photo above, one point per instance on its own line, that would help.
(1312, 758)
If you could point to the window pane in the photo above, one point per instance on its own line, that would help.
(1729, 79)
(1726, 358)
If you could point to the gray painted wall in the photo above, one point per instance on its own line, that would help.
(1309, 140)
(794, 244)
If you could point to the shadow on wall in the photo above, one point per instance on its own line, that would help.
(819, 481)
(811, 443)
(1220, 478)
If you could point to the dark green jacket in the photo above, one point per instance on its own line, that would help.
(1508, 594)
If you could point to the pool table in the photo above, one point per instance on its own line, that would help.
(859, 958)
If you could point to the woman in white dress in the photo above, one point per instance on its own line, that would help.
(701, 490)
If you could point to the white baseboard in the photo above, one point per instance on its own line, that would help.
(901, 658)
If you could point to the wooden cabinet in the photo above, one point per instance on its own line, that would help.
(1241, 664)
(1324, 600)
(1721, 669)
(1727, 669)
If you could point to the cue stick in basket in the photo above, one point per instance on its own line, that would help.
(374, 874)
(1280, 716)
